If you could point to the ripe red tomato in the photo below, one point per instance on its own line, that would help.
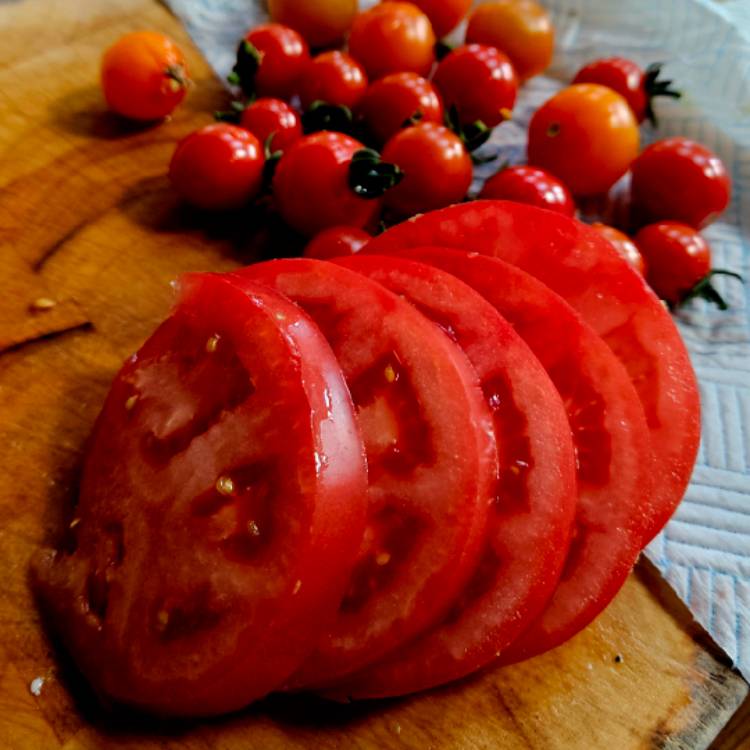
(270, 60)
(312, 188)
(437, 169)
(272, 117)
(444, 15)
(637, 86)
(337, 242)
(520, 28)
(393, 37)
(391, 101)
(480, 82)
(219, 166)
(321, 22)
(680, 180)
(530, 185)
(625, 247)
(333, 78)
(586, 135)
(144, 76)
(207, 533)
(416, 400)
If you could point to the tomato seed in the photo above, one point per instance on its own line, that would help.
(225, 486)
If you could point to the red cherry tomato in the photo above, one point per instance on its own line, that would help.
(219, 166)
(337, 242)
(311, 185)
(681, 180)
(144, 76)
(586, 135)
(520, 28)
(271, 60)
(480, 82)
(391, 101)
(625, 247)
(677, 258)
(321, 22)
(530, 185)
(393, 37)
(437, 169)
(444, 15)
(272, 117)
(333, 78)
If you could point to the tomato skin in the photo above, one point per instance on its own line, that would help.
(621, 75)
(586, 135)
(321, 23)
(391, 101)
(333, 78)
(311, 185)
(144, 76)
(284, 57)
(681, 180)
(626, 248)
(218, 167)
(272, 117)
(437, 169)
(480, 82)
(530, 185)
(678, 257)
(522, 29)
(336, 242)
(444, 15)
(393, 37)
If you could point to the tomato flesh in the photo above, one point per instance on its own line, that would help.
(208, 529)
(535, 497)
(417, 399)
(581, 266)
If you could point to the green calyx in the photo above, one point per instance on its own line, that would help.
(473, 136)
(233, 114)
(324, 116)
(370, 177)
(655, 87)
(705, 290)
(246, 68)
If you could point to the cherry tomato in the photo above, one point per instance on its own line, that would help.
(520, 28)
(438, 170)
(312, 187)
(337, 242)
(586, 135)
(480, 82)
(530, 185)
(681, 180)
(144, 76)
(626, 248)
(637, 86)
(270, 61)
(333, 78)
(219, 166)
(391, 101)
(393, 37)
(321, 22)
(677, 258)
(272, 117)
(444, 15)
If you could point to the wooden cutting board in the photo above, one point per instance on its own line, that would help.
(90, 237)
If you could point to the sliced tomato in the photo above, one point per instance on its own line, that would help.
(535, 497)
(431, 454)
(582, 267)
(615, 460)
(222, 504)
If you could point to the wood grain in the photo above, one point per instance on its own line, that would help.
(87, 219)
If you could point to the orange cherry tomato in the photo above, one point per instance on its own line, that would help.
(444, 15)
(392, 38)
(144, 76)
(625, 247)
(520, 28)
(587, 136)
(321, 22)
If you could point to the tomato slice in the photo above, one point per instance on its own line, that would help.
(615, 460)
(431, 453)
(222, 504)
(574, 261)
(535, 497)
